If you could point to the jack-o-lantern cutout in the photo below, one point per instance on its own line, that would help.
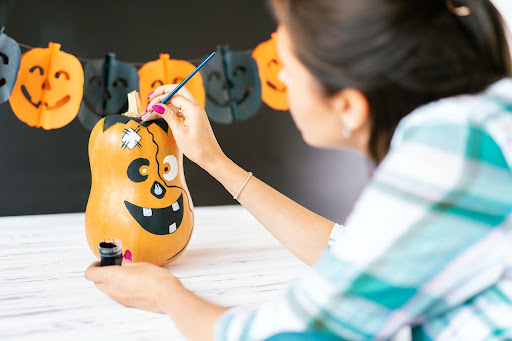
(273, 91)
(49, 88)
(232, 86)
(10, 59)
(170, 71)
(138, 192)
(107, 82)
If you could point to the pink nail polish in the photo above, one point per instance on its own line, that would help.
(149, 94)
(146, 108)
(128, 255)
(158, 108)
(141, 116)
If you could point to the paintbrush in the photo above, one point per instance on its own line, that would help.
(172, 93)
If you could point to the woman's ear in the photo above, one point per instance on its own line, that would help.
(352, 108)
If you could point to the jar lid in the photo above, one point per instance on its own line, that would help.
(110, 247)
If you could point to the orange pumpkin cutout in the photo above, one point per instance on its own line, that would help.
(138, 192)
(170, 71)
(49, 88)
(273, 91)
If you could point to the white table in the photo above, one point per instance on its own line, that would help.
(231, 260)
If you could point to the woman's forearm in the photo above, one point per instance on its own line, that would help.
(193, 316)
(301, 231)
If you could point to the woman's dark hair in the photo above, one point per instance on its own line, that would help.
(400, 53)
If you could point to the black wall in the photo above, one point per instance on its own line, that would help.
(48, 171)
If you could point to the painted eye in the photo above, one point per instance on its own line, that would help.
(120, 82)
(96, 80)
(272, 61)
(156, 83)
(170, 167)
(4, 58)
(33, 68)
(238, 70)
(138, 170)
(60, 73)
(215, 74)
(177, 80)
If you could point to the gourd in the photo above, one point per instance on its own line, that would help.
(138, 191)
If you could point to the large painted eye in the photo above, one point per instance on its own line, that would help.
(170, 167)
(138, 170)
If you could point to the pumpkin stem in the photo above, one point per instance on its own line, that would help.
(134, 106)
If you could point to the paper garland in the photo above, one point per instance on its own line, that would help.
(107, 84)
(10, 59)
(49, 88)
(46, 87)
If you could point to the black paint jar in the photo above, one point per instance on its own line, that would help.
(111, 252)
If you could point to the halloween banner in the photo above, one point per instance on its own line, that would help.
(47, 88)
(107, 84)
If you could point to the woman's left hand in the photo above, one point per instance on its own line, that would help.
(137, 285)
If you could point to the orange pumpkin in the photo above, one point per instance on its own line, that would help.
(273, 91)
(49, 88)
(138, 192)
(170, 71)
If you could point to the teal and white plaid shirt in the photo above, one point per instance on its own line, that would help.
(427, 245)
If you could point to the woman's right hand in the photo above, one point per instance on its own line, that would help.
(189, 124)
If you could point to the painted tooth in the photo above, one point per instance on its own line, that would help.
(158, 189)
(172, 228)
(147, 212)
(175, 206)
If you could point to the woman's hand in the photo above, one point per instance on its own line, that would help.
(189, 124)
(137, 285)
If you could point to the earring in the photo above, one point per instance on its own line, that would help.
(346, 132)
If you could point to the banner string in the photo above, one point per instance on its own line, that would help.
(137, 64)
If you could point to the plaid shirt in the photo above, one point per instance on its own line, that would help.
(427, 245)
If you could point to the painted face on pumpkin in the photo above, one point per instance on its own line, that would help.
(10, 59)
(170, 71)
(107, 82)
(232, 86)
(273, 91)
(49, 88)
(138, 192)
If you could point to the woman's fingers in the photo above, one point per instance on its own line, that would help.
(95, 272)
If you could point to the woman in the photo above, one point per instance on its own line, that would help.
(420, 87)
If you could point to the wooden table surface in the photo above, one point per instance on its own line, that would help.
(231, 260)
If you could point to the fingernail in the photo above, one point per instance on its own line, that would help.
(128, 255)
(158, 108)
(146, 108)
(149, 94)
(141, 116)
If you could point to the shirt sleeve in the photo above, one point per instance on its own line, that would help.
(423, 237)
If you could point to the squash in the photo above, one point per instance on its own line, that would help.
(138, 191)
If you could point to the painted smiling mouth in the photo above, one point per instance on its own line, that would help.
(159, 221)
(273, 86)
(59, 103)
